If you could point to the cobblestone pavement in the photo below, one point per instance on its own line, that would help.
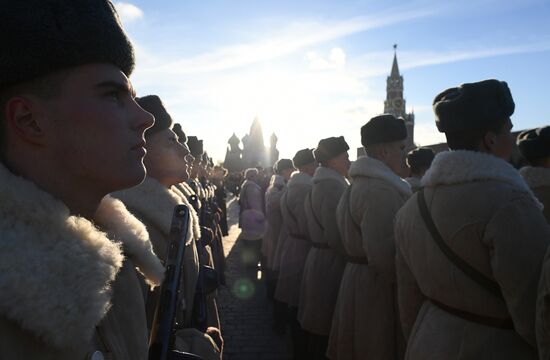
(245, 312)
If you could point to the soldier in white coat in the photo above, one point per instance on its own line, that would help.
(251, 220)
(295, 248)
(327, 258)
(470, 245)
(366, 321)
(153, 202)
(534, 145)
(283, 168)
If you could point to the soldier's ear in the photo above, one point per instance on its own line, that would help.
(489, 140)
(24, 119)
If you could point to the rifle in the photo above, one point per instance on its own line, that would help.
(207, 283)
(161, 340)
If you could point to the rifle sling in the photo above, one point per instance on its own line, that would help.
(473, 274)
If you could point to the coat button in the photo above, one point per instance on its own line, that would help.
(96, 355)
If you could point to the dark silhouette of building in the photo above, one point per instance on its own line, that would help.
(232, 160)
(253, 153)
(395, 102)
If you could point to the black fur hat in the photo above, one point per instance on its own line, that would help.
(182, 138)
(40, 37)
(534, 144)
(282, 165)
(303, 157)
(420, 158)
(153, 105)
(195, 146)
(472, 106)
(329, 148)
(383, 129)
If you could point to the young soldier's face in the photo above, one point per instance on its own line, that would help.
(395, 157)
(165, 160)
(341, 163)
(94, 129)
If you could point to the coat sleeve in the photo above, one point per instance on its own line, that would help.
(331, 197)
(517, 237)
(409, 295)
(377, 230)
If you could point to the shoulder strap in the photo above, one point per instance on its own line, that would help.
(472, 273)
(310, 195)
(355, 224)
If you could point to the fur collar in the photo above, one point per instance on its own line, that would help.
(247, 183)
(461, 166)
(366, 166)
(414, 182)
(277, 185)
(276, 180)
(535, 177)
(324, 173)
(185, 189)
(156, 203)
(56, 268)
(300, 178)
(196, 186)
(195, 224)
(122, 226)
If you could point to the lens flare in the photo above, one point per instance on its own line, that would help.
(243, 288)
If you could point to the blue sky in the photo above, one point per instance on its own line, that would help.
(313, 69)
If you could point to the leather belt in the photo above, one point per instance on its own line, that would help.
(362, 260)
(480, 319)
(320, 245)
(299, 236)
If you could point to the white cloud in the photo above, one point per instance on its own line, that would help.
(376, 63)
(336, 59)
(128, 12)
(426, 133)
(220, 91)
(292, 38)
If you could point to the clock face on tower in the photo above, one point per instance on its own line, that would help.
(394, 83)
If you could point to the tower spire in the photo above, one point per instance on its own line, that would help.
(394, 67)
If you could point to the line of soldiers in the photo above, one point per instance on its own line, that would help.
(448, 263)
(177, 173)
(90, 176)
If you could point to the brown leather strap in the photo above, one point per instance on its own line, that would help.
(479, 319)
(320, 245)
(299, 236)
(472, 273)
(362, 260)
